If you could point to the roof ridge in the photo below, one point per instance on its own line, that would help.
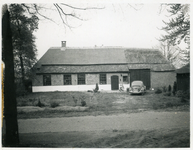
(106, 47)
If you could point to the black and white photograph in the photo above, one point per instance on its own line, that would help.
(95, 74)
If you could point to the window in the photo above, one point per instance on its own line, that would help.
(81, 78)
(46, 80)
(103, 79)
(125, 78)
(67, 79)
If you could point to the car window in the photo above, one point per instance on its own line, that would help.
(138, 83)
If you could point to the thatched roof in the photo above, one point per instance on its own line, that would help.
(153, 67)
(147, 59)
(73, 56)
(72, 60)
(185, 69)
(144, 56)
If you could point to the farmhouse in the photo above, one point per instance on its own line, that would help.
(79, 69)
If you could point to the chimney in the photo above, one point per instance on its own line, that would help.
(63, 47)
(63, 43)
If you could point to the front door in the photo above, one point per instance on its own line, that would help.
(114, 82)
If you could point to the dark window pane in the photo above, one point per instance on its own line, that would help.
(81, 78)
(103, 79)
(125, 78)
(46, 80)
(67, 80)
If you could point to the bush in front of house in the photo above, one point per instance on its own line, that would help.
(90, 91)
(174, 88)
(164, 89)
(54, 104)
(40, 104)
(167, 94)
(169, 88)
(158, 91)
(96, 88)
(83, 102)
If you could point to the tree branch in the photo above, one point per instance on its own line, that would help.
(37, 10)
(134, 7)
(72, 15)
(33, 9)
(61, 16)
(81, 8)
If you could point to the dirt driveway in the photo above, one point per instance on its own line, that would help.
(135, 121)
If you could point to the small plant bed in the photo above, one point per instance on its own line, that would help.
(69, 104)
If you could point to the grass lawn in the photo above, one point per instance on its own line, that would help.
(55, 104)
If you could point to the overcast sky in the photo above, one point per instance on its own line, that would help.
(117, 24)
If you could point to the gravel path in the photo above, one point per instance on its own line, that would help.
(136, 121)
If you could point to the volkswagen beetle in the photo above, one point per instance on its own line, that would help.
(137, 87)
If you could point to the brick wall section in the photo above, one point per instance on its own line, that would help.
(38, 80)
(92, 79)
(160, 79)
(57, 79)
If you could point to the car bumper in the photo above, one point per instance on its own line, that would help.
(136, 92)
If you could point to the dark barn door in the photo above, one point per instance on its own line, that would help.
(140, 74)
(114, 82)
(183, 81)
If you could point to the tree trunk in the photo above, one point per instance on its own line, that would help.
(22, 70)
(11, 137)
(168, 50)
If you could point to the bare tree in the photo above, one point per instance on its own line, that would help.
(173, 53)
(64, 10)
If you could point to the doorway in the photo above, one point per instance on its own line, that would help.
(114, 82)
